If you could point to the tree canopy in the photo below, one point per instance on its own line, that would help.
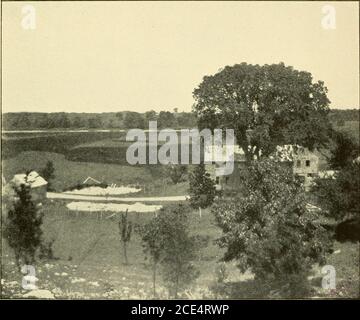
(266, 106)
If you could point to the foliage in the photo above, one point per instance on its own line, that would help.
(166, 119)
(95, 122)
(339, 195)
(177, 172)
(202, 187)
(269, 229)
(48, 173)
(134, 120)
(46, 250)
(23, 227)
(344, 115)
(221, 273)
(167, 242)
(150, 116)
(105, 120)
(266, 106)
(186, 120)
(344, 152)
(125, 230)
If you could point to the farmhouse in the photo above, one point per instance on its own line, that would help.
(226, 181)
(38, 185)
(304, 163)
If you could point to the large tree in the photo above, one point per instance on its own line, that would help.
(266, 106)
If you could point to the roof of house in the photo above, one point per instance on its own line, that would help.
(33, 179)
(91, 179)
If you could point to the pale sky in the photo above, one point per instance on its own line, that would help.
(114, 56)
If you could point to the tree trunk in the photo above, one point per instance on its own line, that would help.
(154, 279)
(125, 253)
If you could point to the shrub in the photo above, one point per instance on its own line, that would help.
(48, 174)
(176, 172)
(166, 241)
(202, 188)
(340, 195)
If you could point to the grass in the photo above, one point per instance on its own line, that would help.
(152, 179)
(88, 247)
(89, 250)
(346, 261)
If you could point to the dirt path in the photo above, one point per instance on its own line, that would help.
(53, 195)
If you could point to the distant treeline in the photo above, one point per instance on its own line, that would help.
(124, 120)
(339, 117)
(108, 120)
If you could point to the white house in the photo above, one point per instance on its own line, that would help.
(38, 184)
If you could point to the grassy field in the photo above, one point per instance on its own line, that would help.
(91, 265)
(49, 141)
(152, 179)
(89, 261)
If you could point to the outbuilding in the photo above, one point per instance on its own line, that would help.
(38, 185)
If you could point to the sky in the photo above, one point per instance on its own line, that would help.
(137, 56)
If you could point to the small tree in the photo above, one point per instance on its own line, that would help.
(125, 229)
(202, 188)
(167, 241)
(48, 173)
(270, 229)
(23, 227)
(176, 172)
(152, 243)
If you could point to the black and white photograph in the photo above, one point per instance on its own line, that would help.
(180, 150)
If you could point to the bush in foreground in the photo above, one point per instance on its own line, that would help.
(23, 227)
(270, 231)
(170, 248)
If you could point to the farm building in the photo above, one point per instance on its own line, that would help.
(38, 184)
(89, 181)
(305, 164)
(225, 181)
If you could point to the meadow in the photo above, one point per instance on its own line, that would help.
(14, 143)
(152, 179)
(90, 264)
